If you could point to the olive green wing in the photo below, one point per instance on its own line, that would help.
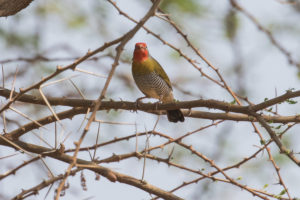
(161, 72)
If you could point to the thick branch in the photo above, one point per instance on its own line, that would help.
(106, 105)
(81, 106)
(106, 172)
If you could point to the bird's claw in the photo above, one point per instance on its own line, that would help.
(137, 102)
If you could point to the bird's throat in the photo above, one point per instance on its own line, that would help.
(140, 55)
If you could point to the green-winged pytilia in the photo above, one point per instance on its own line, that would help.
(152, 80)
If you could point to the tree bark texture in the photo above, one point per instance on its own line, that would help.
(11, 7)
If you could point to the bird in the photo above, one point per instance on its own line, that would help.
(152, 80)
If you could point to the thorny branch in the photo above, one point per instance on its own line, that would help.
(269, 34)
(119, 50)
(253, 113)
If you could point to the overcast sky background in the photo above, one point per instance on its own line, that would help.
(265, 69)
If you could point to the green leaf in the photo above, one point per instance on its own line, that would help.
(287, 151)
(289, 101)
(282, 192)
(278, 127)
(233, 102)
(277, 196)
(231, 24)
(290, 89)
(77, 21)
(186, 6)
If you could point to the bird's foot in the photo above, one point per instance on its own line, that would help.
(157, 103)
(137, 102)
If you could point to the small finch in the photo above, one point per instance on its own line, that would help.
(152, 80)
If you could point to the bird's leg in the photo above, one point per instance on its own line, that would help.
(137, 101)
(159, 101)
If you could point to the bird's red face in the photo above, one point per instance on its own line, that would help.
(140, 52)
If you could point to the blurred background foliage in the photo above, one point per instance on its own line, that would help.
(53, 32)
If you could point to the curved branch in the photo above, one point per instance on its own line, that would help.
(111, 175)
(60, 69)
(11, 7)
(126, 105)
(81, 106)
(276, 139)
(267, 32)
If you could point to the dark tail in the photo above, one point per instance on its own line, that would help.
(175, 116)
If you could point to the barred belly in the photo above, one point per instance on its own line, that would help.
(154, 86)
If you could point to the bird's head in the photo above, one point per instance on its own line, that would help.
(140, 52)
